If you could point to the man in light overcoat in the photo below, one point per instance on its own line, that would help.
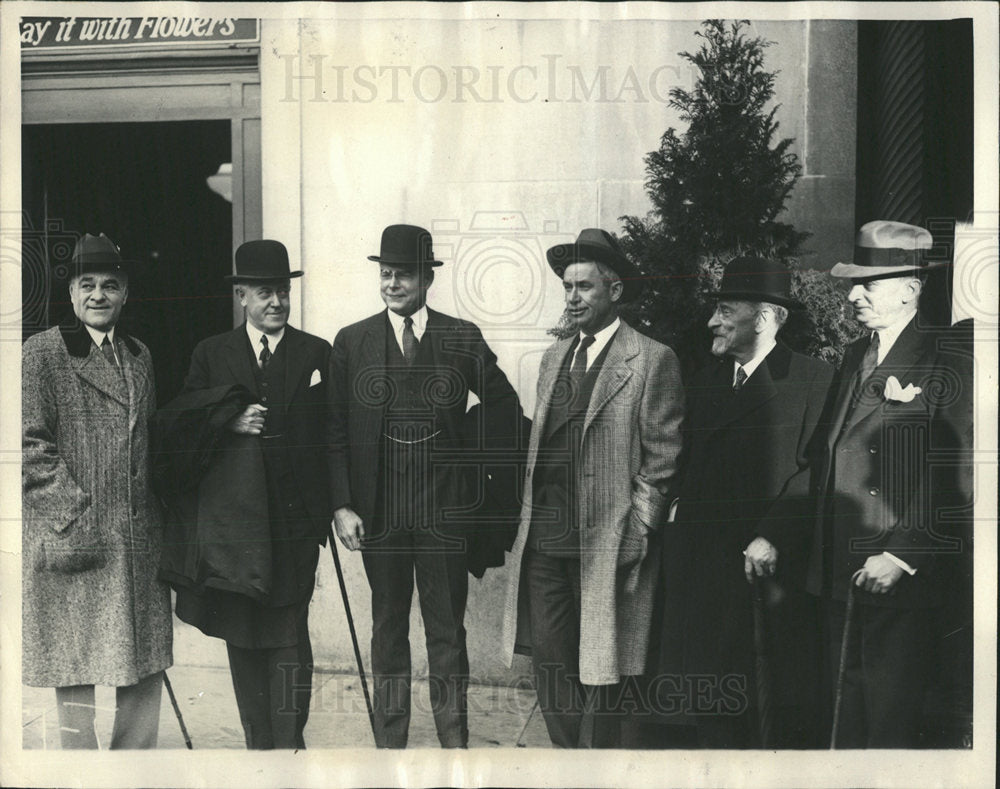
(93, 610)
(601, 462)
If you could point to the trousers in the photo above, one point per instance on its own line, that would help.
(137, 715)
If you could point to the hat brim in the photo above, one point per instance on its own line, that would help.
(126, 267)
(770, 298)
(408, 263)
(854, 271)
(562, 255)
(252, 278)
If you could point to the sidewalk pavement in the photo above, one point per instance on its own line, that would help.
(337, 716)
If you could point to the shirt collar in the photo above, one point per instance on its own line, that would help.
(601, 338)
(419, 322)
(272, 338)
(98, 336)
(754, 363)
(887, 337)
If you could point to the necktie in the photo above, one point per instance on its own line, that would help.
(741, 377)
(109, 353)
(868, 364)
(265, 352)
(409, 341)
(579, 368)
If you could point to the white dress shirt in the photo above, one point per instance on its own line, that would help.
(754, 363)
(601, 338)
(272, 340)
(98, 338)
(398, 324)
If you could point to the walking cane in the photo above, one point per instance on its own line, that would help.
(354, 635)
(177, 711)
(842, 668)
(765, 714)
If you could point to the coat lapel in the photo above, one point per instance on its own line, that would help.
(295, 363)
(614, 373)
(90, 365)
(758, 389)
(238, 358)
(547, 377)
(137, 378)
(850, 366)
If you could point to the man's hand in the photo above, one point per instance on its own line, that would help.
(250, 422)
(350, 530)
(879, 575)
(761, 559)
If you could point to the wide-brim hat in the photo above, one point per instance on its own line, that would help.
(594, 245)
(888, 249)
(262, 261)
(749, 278)
(406, 245)
(95, 254)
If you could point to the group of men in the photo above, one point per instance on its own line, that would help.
(735, 562)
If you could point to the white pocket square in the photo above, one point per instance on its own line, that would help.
(316, 378)
(895, 391)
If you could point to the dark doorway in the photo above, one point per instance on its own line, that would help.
(144, 185)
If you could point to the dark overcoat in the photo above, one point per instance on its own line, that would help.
(746, 474)
(94, 612)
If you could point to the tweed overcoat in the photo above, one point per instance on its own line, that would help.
(629, 450)
(93, 609)
(896, 474)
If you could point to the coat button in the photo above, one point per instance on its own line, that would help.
(873, 492)
(873, 449)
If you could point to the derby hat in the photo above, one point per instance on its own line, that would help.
(93, 254)
(594, 245)
(261, 261)
(757, 279)
(406, 245)
(888, 249)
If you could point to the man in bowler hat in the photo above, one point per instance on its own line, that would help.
(602, 459)
(94, 612)
(895, 485)
(743, 515)
(399, 386)
(262, 505)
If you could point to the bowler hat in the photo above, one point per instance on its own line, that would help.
(406, 245)
(888, 249)
(93, 254)
(750, 278)
(594, 245)
(262, 261)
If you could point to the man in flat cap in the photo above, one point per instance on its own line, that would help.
(400, 381)
(601, 465)
(247, 530)
(744, 516)
(892, 486)
(94, 612)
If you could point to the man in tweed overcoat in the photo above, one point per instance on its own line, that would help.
(94, 612)
(601, 460)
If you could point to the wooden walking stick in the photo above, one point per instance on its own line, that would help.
(177, 711)
(765, 714)
(354, 635)
(842, 668)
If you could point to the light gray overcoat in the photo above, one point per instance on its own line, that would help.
(628, 459)
(93, 609)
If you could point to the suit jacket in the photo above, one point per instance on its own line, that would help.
(746, 474)
(93, 609)
(224, 360)
(895, 475)
(629, 449)
(360, 393)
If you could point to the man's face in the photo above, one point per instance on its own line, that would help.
(591, 300)
(879, 303)
(266, 304)
(404, 290)
(98, 299)
(733, 326)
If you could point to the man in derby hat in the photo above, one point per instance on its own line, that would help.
(743, 515)
(245, 574)
(893, 484)
(94, 612)
(399, 386)
(601, 466)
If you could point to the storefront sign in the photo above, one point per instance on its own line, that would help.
(86, 31)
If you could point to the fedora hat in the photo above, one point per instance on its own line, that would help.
(594, 245)
(888, 249)
(93, 254)
(406, 245)
(749, 278)
(260, 261)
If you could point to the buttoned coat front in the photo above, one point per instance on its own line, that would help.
(628, 459)
(93, 609)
